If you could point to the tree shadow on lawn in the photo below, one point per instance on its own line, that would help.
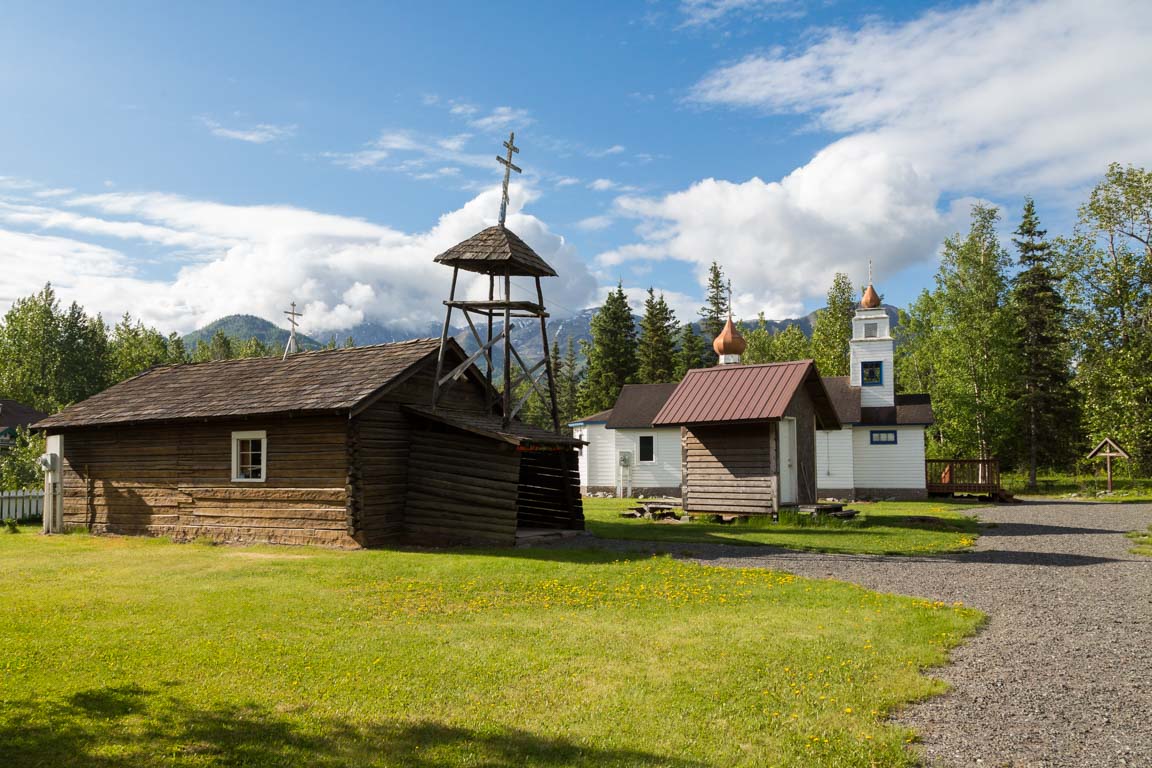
(132, 726)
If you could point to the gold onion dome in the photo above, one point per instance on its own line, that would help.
(871, 299)
(729, 342)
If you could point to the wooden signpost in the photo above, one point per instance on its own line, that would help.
(1109, 449)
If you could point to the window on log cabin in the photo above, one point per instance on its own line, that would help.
(249, 457)
(647, 448)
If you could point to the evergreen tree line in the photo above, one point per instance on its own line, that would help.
(1035, 356)
(1030, 357)
(660, 349)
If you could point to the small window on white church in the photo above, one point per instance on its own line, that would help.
(872, 374)
(647, 448)
(883, 437)
(871, 330)
(249, 456)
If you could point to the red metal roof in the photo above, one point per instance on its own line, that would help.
(744, 393)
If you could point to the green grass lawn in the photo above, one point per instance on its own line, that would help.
(1142, 542)
(887, 527)
(140, 652)
(1125, 490)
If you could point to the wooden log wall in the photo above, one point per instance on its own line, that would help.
(379, 445)
(730, 469)
(549, 491)
(804, 412)
(175, 480)
(462, 488)
(378, 472)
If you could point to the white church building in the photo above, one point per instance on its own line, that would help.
(878, 453)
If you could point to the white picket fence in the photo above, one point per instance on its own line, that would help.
(21, 505)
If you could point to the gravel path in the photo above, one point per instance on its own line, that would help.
(1062, 673)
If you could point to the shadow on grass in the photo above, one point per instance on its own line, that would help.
(132, 726)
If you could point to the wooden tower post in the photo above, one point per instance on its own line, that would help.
(501, 255)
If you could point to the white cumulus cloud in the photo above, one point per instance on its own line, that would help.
(257, 258)
(993, 99)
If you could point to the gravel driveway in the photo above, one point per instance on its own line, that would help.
(1062, 673)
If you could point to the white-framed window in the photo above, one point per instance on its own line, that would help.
(647, 449)
(871, 330)
(249, 456)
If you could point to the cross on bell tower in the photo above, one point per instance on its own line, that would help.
(509, 166)
(501, 255)
(291, 347)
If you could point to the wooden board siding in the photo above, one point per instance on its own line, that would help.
(462, 488)
(730, 469)
(175, 480)
(549, 491)
(802, 410)
(378, 475)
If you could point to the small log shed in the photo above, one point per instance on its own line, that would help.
(748, 436)
(336, 448)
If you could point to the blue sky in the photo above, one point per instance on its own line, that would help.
(188, 161)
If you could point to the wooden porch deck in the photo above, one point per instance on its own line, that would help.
(970, 476)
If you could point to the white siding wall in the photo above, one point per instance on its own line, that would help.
(665, 471)
(834, 459)
(879, 349)
(598, 459)
(869, 351)
(889, 466)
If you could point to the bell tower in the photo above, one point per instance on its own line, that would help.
(872, 351)
(501, 255)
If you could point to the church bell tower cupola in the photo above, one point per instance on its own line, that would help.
(872, 351)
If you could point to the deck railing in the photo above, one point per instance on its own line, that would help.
(963, 475)
(21, 505)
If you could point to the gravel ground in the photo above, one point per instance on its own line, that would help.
(1062, 673)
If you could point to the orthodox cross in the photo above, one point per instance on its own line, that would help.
(729, 298)
(291, 347)
(509, 166)
(869, 271)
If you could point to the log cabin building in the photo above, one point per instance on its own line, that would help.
(748, 432)
(339, 448)
(404, 442)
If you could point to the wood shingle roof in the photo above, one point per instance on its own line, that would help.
(638, 404)
(308, 382)
(494, 250)
(15, 414)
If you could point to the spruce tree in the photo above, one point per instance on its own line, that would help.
(611, 355)
(690, 351)
(832, 329)
(657, 351)
(1046, 402)
(714, 313)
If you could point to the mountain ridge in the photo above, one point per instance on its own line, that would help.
(525, 332)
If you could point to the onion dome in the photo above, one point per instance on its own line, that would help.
(871, 299)
(729, 342)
